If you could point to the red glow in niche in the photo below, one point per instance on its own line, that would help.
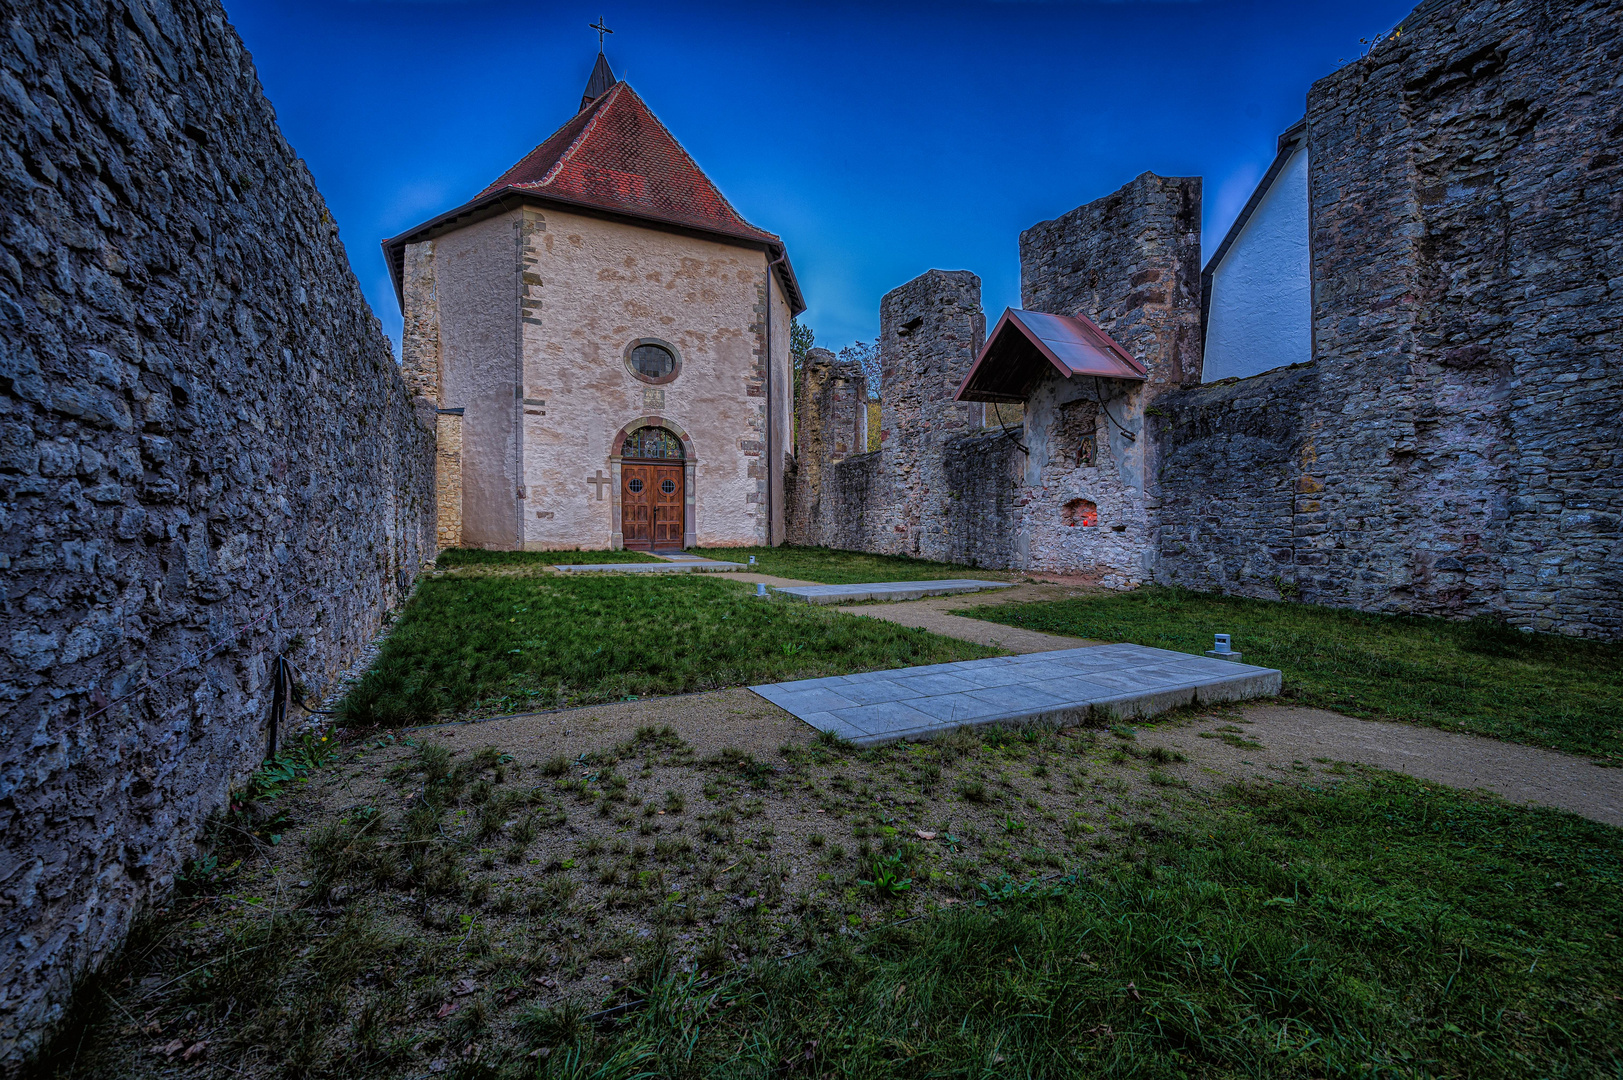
(1083, 512)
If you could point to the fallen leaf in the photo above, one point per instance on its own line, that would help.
(447, 1009)
(464, 987)
(1132, 989)
(171, 1048)
(197, 1049)
(922, 835)
(437, 1065)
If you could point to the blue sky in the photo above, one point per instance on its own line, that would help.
(879, 140)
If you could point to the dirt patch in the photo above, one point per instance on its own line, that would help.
(419, 899)
(1274, 742)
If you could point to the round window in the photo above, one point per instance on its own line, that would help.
(667, 486)
(652, 361)
(635, 484)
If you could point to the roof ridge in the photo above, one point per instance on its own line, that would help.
(598, 107)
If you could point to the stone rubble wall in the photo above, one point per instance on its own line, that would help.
(208, 456)
(831, 424)
(930, 330)
(1130, 261)
(1455, 448)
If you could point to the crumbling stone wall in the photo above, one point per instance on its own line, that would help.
(1130, 262)
(207, 457)
(1456, 446)
(831, 424)
(896, 500)
(985, 473)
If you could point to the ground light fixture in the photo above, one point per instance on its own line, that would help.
(1221, 649)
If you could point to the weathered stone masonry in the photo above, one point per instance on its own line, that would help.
(1455, 446)
(207, 457)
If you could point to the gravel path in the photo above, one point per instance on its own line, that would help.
(1287, 741)
(936, 614)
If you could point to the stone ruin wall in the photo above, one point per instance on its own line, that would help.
(897, 500)
(1455, 448)
(1131, 262)
(831, 425)
(953, 482)
(208, 457)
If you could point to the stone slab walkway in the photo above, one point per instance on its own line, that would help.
(685, 567)
(888, 591)
(1054, 688)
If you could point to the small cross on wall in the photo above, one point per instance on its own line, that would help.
(598, 481)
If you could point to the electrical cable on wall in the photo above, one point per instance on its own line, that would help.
(1099, 391)
(1008, 431)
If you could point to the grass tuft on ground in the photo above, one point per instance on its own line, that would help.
(479, 557)
(1479, 676)
(1384, 928)
(1366, 926)
(829, 566)
(486, 645)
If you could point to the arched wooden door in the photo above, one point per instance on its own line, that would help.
(651, 495)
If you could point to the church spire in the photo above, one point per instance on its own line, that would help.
(602, 78)
(600, 83)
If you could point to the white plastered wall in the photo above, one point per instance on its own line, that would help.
(1261, 303)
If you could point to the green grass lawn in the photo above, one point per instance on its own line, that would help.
(478, 557)
(1537, 689)
(1384, 928)
(828, 566)
(493, 644)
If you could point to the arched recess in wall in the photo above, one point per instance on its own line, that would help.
(1080, 513)
(618, 465)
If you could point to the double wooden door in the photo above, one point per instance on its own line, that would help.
(651, 505)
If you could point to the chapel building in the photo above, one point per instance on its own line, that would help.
(606, 340)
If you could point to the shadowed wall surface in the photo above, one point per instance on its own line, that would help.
(207, 457)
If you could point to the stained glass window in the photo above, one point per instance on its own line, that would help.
(652, 361)
(652, 443)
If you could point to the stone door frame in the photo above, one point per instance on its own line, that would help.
(690, 536)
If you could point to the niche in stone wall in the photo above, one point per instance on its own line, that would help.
(1080, 513)
(1073, 440)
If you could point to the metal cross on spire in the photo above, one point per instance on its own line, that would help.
(601, 30)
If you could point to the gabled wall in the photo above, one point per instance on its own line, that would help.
(1259, 316)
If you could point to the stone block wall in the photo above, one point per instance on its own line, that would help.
(1455, 447)
(930, 330)
(208, 456)
(985, 473)
(831, 424)
(1130, 261)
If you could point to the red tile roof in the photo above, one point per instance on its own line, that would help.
(616, 155)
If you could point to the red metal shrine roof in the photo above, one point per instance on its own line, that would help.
(1025, 344)
(614, 156)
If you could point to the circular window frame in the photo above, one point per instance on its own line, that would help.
(676, 361)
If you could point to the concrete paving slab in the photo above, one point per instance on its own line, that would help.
(889, 591)
(684, 567)
(1059, 688)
